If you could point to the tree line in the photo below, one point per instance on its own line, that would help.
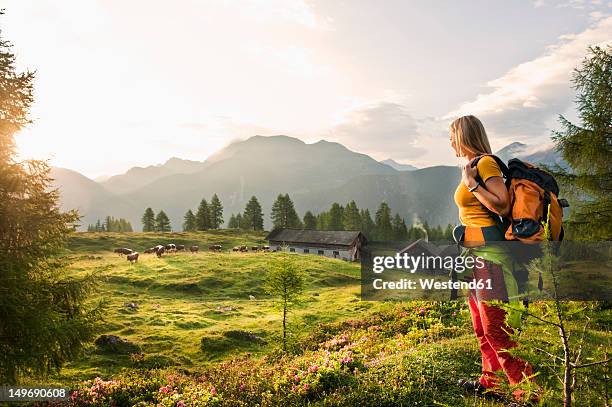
(110, 224)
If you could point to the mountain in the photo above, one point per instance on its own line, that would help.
(88, 197)
(315, 175)
(539, 154)
(400, 167)
(138, 177)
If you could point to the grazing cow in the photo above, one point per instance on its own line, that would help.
(133, 257)
(123, 250)
(215, 248)
(180, 247)
(159, 250)
(194, 249)
(254, 248)
(149, 250)
(244, 249)
(265, 248)
(171, 248)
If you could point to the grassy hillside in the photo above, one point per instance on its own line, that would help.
(191, 335)
(181, 298)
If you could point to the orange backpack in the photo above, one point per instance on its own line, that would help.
(536, 211)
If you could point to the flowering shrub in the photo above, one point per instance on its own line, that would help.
(353, 355)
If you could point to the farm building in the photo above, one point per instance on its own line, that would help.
(339, 244)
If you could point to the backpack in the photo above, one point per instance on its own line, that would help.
(536, 210)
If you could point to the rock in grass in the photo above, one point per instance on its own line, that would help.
(116, 345)
(244, 336)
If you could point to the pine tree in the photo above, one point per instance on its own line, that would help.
(367, 224)
(162, 222)
(232, 223)
(148, 220)
(284, 214)
(448, 233)
(189, 222)
(335, 216)
(384, 230)
(351, 218)
(44, 320)
(240, 224)
(587, 148)
(253, 216)
(322, 221)
(310, 221)
(400, 232)
(216, 212)
(99, 226)
(203, 216)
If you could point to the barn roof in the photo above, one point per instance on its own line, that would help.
(433, 249)
(329, 237)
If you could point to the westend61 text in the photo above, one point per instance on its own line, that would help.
(414, 263)
(431, 284)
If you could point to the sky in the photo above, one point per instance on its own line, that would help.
(132, 83)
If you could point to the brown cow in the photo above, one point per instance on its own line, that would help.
(149, 250)
(133, 257)
(215, 248)
(194, 249)
(123, 250)
(180, 247)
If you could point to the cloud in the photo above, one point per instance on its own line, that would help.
(522, 104)
(381, 129)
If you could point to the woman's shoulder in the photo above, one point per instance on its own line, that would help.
(488, 167)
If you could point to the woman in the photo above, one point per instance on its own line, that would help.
(478, 204)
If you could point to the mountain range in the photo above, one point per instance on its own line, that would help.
(315, 175)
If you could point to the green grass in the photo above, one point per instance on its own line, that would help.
(194, 317)
(184, 298)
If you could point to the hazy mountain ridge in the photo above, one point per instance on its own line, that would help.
(398, 166)
(315, 175)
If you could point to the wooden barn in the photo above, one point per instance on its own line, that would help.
(339, 244)
(422, 247)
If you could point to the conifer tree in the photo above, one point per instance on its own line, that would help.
(148, 220)
(310, 221)
(367, 224)
(253, 216)
(216, 212)
(203, 216)
(336, 214)
(351, 218)
(189, 222)
(384, 230)
(400, 232)
(284, 214)
(44, 320)
(162, 222)
(232, 223)
(240, 224)
(587, 148)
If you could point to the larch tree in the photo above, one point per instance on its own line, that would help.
(162, 222)
(44, 320)
(284, 214)
(189, 222)
(252, 219)
(310, 221)
(587, 148)
(203, 216)
(148, 220)
(216, 212)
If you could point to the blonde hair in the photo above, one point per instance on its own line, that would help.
(469, 134)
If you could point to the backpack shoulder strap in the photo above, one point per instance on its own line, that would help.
(502, 165)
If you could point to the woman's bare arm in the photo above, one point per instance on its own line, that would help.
(495, 196)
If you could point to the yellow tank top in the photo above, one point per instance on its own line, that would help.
(471, 211)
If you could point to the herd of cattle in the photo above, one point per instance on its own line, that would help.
(159, 250)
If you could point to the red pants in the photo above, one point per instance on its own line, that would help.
(492, 333)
